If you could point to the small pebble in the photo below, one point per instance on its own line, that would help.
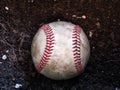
(98, 24)
(90, 34)
(7, 51)
(13, 79)
(4, 57)
(6, 8)
(18, 85)
(83, 17)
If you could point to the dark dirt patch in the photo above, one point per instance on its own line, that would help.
(19, 24)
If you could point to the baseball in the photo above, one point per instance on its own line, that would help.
(60, 50)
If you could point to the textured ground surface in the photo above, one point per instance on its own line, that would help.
(20, 20)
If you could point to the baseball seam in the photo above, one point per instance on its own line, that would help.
(76, 48)
(50, 38)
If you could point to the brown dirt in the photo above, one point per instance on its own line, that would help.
(19, 24)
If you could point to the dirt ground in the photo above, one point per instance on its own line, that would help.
(20, 20)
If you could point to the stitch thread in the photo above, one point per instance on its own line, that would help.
(49, 47)
(76, 48)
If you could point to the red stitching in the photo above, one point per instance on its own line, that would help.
(76, 48)
(49, 47)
